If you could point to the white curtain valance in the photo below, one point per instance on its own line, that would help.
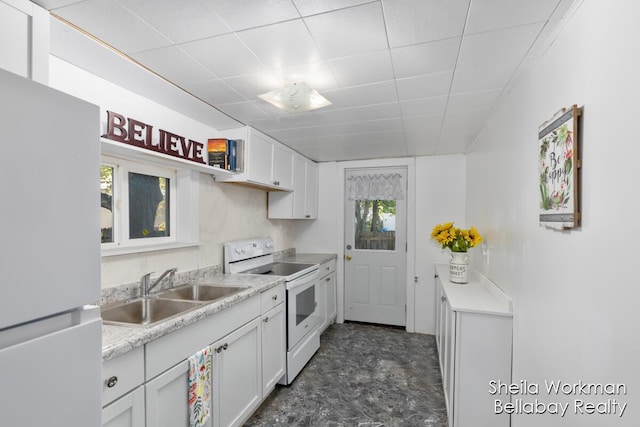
(375, 187)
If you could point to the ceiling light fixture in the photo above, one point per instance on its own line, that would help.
(296, 97)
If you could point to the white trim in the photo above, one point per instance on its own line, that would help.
(341, 167)
(141, 249)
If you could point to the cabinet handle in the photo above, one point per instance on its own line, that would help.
(225, 346)
(275, 297)
(443, 299)
(222, 347)
(307, 216)
(111, 382)
(265, 320)
(328, 278)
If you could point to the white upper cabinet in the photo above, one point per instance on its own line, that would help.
(265, 162)
(24, 39)
(302, 203)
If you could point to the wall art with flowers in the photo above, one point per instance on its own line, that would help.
(558, 165)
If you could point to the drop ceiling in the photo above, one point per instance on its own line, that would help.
(405, 77)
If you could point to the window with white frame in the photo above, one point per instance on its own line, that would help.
(138, 204)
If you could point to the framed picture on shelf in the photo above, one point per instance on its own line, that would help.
(559, 164)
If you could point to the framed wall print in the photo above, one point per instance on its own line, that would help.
(558, 163)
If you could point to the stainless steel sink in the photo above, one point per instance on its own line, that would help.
(193, 292)
(145, 311)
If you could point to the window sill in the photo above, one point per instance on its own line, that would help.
(142, 249)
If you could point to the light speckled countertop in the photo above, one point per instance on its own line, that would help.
(308, 258)
(118, 340)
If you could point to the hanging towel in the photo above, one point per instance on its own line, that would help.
(200, 387)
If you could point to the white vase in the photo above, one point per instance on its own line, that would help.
(459, 267)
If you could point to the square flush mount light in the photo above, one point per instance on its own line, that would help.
(296, 97)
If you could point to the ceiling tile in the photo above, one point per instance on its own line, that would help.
(214, 92)
(243, 14)
(352, 31)
(362, 69)
(243, 111)
(313, 7)
(427, 123)
(484, 100)
(425, 58)
(170, 16)
(424, 86)
(173, 64)
(499, 46)
(357, 96)
(250, 85)
(418, 21)
(225, 56)
(114, 24)
(493, 76)
(489, 15)
(421, 143)
(422, 106)
(282, 45)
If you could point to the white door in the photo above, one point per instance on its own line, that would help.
(375, 245)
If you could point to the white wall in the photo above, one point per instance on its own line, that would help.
(440, 197)
(227, 211)
(575, 292)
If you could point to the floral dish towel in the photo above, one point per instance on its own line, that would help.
(200, 387)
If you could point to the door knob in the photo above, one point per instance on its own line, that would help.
(347, 257)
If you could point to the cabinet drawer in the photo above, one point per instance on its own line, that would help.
(272, 297)
(327, 267)
(122, 374)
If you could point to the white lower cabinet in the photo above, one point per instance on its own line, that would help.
(166, 398)
(327, 294)
(473, 334)
(237, 375)
(128, 411)
(149, 385)
(274, 347)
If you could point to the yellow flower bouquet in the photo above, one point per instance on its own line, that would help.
(456, 239)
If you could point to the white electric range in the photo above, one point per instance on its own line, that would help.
(255, 256)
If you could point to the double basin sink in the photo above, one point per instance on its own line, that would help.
(146, 311)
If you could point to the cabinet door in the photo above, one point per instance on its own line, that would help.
(237, 378)
(311, 190)
(448, 356)
(167, 398)
(330, 300)
(274, 348)
(322, 304)
(299, 182)
(259, 158)
(282, 166)
(128, 411)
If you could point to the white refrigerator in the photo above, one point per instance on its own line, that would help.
(50, 335)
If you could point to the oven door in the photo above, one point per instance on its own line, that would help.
(302, 309)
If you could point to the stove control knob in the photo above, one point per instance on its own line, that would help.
(239, 250)
(268, 245)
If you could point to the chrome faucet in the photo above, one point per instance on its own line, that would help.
(146, 285)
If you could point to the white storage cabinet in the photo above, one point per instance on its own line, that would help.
(474, 338)
(266, 163)
(327, 294)
(235, 337)
(302, 203)
(122, 390)
(274, 338)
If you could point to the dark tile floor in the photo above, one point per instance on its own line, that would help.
(363, 375)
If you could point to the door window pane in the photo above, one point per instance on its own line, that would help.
(375, 224)
(106, 204)
(148, 206)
